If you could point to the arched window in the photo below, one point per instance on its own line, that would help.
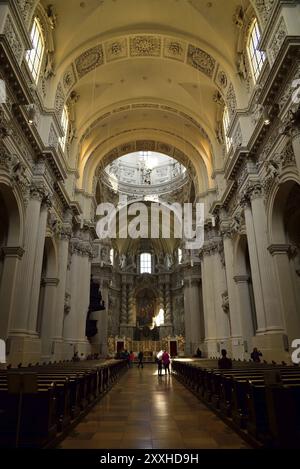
(226, 125)
(256, 57)
(34, 56)
(111, 256)
(65, 125)
(145, 263)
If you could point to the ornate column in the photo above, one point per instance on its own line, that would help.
(83, 293)
(12, 259)
(235, 309)
(38, 264)
(220, 289)
(210, 321)
(296, 145)
(168, 312)
(49, 298)
(283, 255)
(248, 322)
(131, 304)
(21, 347)
(59, 310)
(187, 317)
(123, 318)
(291, 128)
(161, 294)
(70, 320)
(253, 255)
(166, 329)
(268, 307)
(271, 303)
(196, 310)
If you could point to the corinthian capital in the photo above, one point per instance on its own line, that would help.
(38, 192)
(253, 191)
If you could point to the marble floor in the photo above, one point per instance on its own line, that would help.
(146, 411)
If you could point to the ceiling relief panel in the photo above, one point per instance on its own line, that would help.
(117, 49)
(174, 49)
(69, 78)
(148, 46)
(89, 60)
(200, 60)
(145, 46)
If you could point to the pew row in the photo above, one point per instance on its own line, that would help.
(260, 401)
(63, 393)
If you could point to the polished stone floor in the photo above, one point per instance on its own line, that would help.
(146, 411)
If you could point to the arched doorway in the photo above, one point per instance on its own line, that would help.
(285, 249)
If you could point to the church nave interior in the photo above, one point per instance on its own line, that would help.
(150, 203)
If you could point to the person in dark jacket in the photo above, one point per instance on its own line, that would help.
(140, 359)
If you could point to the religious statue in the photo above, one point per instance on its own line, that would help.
(168, 261)
(49, 68)
(51, 16)
(147, 176)
(175, 171)
(272, 169)
(236, 224)
(160, 264)
(241, 66)
(219, 133)
(72, 133)
(105, 255)
(123, 261)
(225, 302)
(238, 17)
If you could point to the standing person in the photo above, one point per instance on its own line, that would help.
(127, 357)
(159, 365)
(140, 358)
(255, 355)
(131, 359)
(166, 362)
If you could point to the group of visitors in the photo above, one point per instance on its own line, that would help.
(163, 361)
